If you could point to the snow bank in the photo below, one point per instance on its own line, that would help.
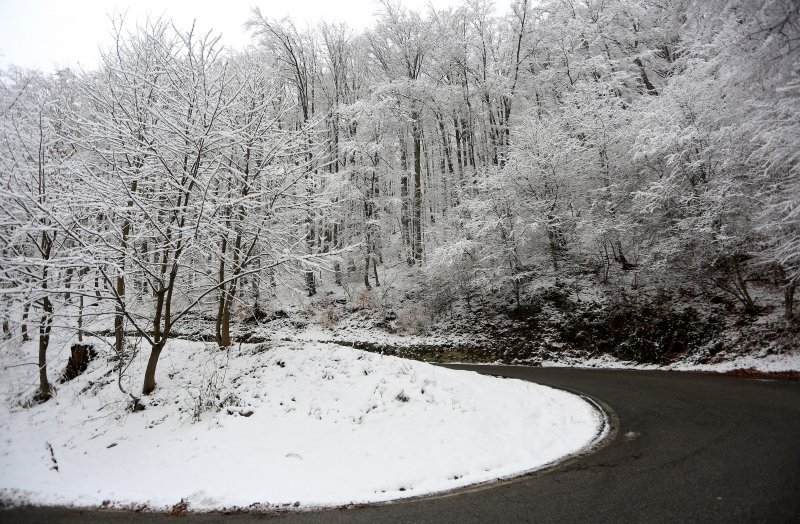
(762, 361)
(280, 424)
(768, 359)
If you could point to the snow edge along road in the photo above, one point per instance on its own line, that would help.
(598, 423)
(606, 433)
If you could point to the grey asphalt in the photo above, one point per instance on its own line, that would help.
(687, 448)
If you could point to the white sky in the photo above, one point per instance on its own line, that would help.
(47, 34)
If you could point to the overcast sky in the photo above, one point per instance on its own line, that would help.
(47, 34)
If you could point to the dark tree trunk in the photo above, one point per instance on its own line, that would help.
(337, 266)
(45, 326)
(645, 80)
(375, 272)
(405, 213)
(97, 293)
(80, 318)
(366, 272)
(741, 284)
(222, 290)
(493, 131)
(626, 265)
(337, 273)
(119, 317)
(225, 331)
(446, 153)
(417, 221)
(80, 356)
(459, 150)
(788, 298)
(150, 371)
(26, 309)
(311, 283)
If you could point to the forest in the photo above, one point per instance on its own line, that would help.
(629, 167)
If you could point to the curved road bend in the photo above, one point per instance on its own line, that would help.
(689, 448)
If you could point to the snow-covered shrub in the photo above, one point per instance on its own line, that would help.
(454, 273)
(208, 391)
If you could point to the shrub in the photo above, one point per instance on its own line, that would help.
(641, 333)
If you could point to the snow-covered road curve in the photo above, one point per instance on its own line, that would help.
(689, 447)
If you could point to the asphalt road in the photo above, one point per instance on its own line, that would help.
(687, 448)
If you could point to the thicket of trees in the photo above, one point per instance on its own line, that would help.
(653, 142)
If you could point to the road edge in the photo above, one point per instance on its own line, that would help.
(607, 432)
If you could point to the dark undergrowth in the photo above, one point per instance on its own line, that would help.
(639, 333)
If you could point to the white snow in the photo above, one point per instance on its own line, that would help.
(310, 423)
(764, 361)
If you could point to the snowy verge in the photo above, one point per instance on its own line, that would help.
(762, 362)
(767, 360)
(271, 425)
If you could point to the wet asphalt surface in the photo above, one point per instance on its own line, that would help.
(684, 448)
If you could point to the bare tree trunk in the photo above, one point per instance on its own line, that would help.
(366, 271)
(494, 135)
(337, 266)
(150, 371)
(222, 292)
(741, 284)
(337, 273)
(645, 80)
(311, 283)
(225, 332)
(119, 317)
(80, 318)
(417, 221)
(445, 144)
(256, 289)
(368, 215)
(459, 153)
(45, 326)
(626, 265)
(97, 294)
(505, 129)
(26, 309)
(789, 287)
(68, 285)
(227, 294)
(405, 212)
(788, 300)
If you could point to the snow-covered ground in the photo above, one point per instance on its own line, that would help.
(767, 360)
(287, 423)
(762, 362)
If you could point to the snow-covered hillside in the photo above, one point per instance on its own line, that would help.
(276, 425)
